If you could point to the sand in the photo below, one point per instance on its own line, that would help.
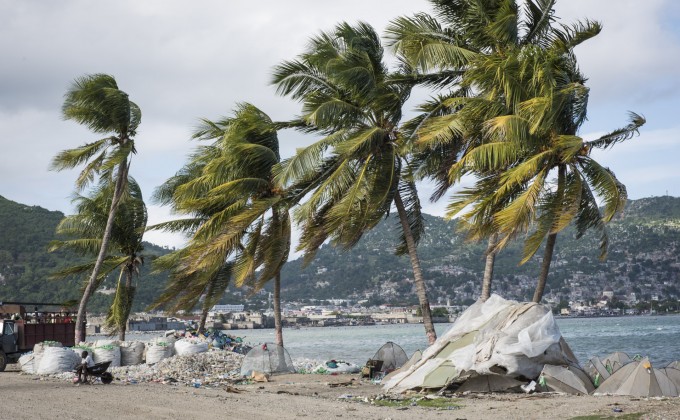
(293, 396)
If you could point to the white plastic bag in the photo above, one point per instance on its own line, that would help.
(157, 351)
(27, 363)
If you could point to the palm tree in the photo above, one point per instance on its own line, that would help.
(244, 222)
(542, 174)
(96, 102)
(449, 52)
(85, 229)
(358, 170)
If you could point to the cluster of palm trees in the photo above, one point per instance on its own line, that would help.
(508, 101)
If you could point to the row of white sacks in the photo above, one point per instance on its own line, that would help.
(51, 358)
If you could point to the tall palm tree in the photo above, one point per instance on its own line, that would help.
(464, 37)
(96, 102)
(244, 214)
(542, 173)
(84, 232)
(357, 171)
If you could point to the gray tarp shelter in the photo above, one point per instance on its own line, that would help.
(392, 356)
(566, 379)
(639, 379)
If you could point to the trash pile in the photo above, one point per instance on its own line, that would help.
(507, 346)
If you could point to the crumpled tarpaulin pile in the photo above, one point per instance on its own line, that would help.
(497, 338)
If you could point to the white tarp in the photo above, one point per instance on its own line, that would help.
(496, 337)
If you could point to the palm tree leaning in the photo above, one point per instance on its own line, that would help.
(96, 102)
(244, 213)
(357, 171)
(84, 235)
(542, 171)
(441, 49)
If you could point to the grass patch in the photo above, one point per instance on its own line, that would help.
(436, 403)
(627, 416)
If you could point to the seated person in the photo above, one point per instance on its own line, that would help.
(85, 362)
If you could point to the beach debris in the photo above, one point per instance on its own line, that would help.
(259, 376)
(597, 371)
(639, 379)
(336, 366)
(26, 361)
(496, 337)
(529, 388)
(232, 390)
(269, 358)
(187, 346)
(565, 379)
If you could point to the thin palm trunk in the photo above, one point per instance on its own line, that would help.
(488, 267)
(421, 290)
(122, 328)
(278, 325)
(92, 282)
(545, 267)
(207, 304)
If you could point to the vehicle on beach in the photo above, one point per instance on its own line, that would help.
(21, 330)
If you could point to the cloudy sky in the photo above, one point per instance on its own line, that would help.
(180, 61)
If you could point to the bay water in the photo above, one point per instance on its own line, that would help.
(655, 336)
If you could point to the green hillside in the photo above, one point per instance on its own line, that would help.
(644, 259)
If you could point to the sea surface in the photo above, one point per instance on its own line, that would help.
(655, 336)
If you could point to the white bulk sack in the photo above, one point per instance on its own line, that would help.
(131, 353)
(57, 360)
(186, 346)
(27, 363)
(157, 351)
(39, 349)
(107, 353)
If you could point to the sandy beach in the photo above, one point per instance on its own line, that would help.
(296, 396)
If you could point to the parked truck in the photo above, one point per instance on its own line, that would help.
(22, 330)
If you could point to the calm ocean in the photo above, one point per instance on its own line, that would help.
(655, 336)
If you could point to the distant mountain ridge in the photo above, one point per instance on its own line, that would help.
(643, 259)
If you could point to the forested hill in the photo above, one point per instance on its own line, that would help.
(25, 264)
(644, 258)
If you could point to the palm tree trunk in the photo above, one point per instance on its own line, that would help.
(122, 328)
(206, 308)
(545, 267)
(417, 273)
(278, 325)
(121, 180)
(488, 267)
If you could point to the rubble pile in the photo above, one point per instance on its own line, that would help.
(212, 368)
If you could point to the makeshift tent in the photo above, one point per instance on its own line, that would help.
(392, 356)
(639, 379)
(490, 383)
(566, 379)
(597, 371)
(415, 358)
(674, 365)
(673, 375)
(267, 358)
(616, 361)
(499, 336)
